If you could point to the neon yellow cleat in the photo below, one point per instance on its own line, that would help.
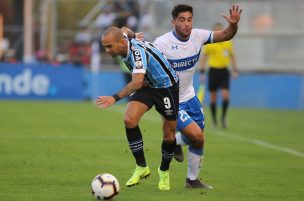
(138, 174)
(164, 180)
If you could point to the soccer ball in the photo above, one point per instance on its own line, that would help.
(104, 186)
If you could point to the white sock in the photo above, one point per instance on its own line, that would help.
(179, 139)
(195, 163)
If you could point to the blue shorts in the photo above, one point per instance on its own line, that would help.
(189, 111)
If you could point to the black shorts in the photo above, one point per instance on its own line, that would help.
(166, 100)
(218, 79)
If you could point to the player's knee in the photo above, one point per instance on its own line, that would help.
(197, 140)
(169, 135)
(169, 139)
(130, 122)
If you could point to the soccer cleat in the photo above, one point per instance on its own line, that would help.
(178, 153)
(164, 180)
(138, 174)
(196, 184)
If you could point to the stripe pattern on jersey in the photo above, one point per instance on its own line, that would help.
(162, 64)
(157, 69)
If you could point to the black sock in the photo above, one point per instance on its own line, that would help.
(225, 108)
(136, 145)
(213, 112)
(167, 154)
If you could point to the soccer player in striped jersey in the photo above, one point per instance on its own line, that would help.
(154, 82)
(182, 47)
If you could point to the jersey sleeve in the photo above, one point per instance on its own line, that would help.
(203, 36)
(159, 44)
(139, 60)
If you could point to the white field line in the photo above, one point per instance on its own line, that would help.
(261, 143)
(290, 151)
(156, 119)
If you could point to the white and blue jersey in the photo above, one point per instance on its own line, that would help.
(144, 57)
(183, 55)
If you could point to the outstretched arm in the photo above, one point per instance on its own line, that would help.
(128, 31)
(136, 83)
(131, 34)
(230, 31)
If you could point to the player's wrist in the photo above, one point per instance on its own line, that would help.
(116, 97)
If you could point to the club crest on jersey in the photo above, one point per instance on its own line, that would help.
(174, 47)
(138, 65)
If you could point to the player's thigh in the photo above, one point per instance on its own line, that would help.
(135, 111)
(139, 103)
(190, 111)
(224, 79)
(196, 112)
(166, 101)
(213, 79)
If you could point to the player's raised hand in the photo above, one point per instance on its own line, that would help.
(235, 14)
(104, 101)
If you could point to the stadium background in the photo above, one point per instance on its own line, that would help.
(53, 140)
(269, 47)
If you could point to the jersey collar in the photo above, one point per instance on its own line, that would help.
(178, 38)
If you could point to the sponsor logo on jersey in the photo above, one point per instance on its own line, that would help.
(184, 64)
(137, 58)
(169, 112)
(174, 47)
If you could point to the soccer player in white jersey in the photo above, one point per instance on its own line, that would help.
(182, 47)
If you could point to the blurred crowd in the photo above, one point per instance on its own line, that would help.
(78, 51)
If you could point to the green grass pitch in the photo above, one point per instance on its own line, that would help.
(52, 150)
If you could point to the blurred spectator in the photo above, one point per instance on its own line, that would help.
(80, 54)
(127, 13)
(83, 36)
(42, 57)
(4, 45)
(62, 56)
(106, 18)
(9, 56)
(132, 21)
(145, 23)
(263, 23)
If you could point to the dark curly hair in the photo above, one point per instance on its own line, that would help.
(181, 8)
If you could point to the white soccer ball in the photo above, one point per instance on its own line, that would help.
(104, 186)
